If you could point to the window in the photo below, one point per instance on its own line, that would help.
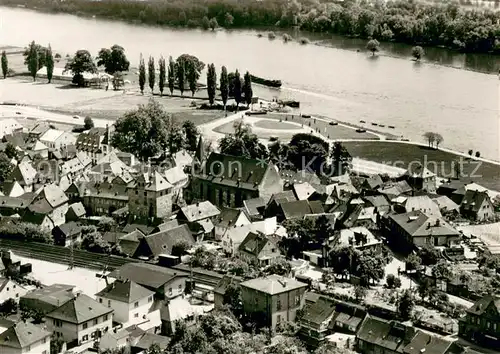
(297, 299)
(8, 288)
(145, 194)
(57, 323)
(85, 338)
(100, 300)
(109, 303)
(150, 299)
(96, 321)
(14, 286)
(278, 319)
(169, 291)
(17, 294)
(136, 315)
(278, 304)
(136, 305)
(28, 348)
(105, 318)
(44, 340)
(494, 326)
(85, 325)
(44, 352)
(180, 287)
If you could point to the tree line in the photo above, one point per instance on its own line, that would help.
(470, 30)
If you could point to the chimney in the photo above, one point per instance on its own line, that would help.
(438, 222)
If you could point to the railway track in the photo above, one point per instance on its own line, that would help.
(62, 255)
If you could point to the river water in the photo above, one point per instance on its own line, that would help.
(335, 80)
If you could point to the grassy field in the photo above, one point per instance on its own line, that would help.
(441, 162)
(273, 124)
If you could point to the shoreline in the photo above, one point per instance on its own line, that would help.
(278, 30)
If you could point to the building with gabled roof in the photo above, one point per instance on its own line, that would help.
(25, 338)
(9, 126)
(416, 229)
(162, 242)
(228, 180)
(57, 139)
(47, 298)
(25, 174)
(421, 202)
(481, 324)
(51, 201)
(130, 301)
(477, 206)
(272, 299)
(259, 249)
(229, 218)
(80, 320)
(421, 178)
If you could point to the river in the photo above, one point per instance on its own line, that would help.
(461, 105)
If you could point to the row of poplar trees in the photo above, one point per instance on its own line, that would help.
(178, 74)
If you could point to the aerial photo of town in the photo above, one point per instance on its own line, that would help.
(250, 176)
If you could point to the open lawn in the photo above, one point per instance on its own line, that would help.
(263, 133)
(270, 124)
(440, 162)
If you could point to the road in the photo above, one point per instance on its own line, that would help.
(8, 111)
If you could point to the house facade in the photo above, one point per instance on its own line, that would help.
(259, 249)
(25, 338)
(130, 301)
(273, 299)
(150, 196)
(9, 289)
(227, 181)
(80, 320)
(57, 139)
(481, 323)
(477, 206)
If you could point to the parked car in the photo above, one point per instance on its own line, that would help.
(333, 123)
(361, 130)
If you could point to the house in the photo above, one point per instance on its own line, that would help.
(385, 337)
(103, 198)
(477, 206)
(379, 202)
(150, 196)
(90, 142)
(412, 203)
(481, 324)
(273, 206)
(75, 212)
(393, 190)
(40, 149)
(165, 282)
(42, 220)
(39, 129)
(421, 178)
(129, 243)
(25, 338)
(220, 289)
(227, 219)
(75, 165)
(25, 174)
(360, 238)
(445, 204)
(372, 183)
(68, 233)
(416, 229)
(305, 191)
(80, 320)
(57, 139)
(163, 242)
(325, 316)
(11, 206)
(272, 299)
(298, 209)
(181, 309)
(254, 208)
(130, 301)
(12, 189)
(9, 289)
(51, 201)
(48, 298)
(9, 126)
(199, 217)
(228, 180)
(259, 249)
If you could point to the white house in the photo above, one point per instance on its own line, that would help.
(80, 320)
(8, 126)
(9, 289)
(229, 218)
(130, 301)
(25, 338)
(57, 139)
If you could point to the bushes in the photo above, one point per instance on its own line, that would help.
(25, 232)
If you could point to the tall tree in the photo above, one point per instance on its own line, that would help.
(191, 135)
(30, 51)
(81, 63)
(180, 71)
(33, 62)
(237, 88)
(142, 74)
(224, 86)
(243, 143)
(191, 76)
(151, 73)
(211, 83)
(5, 167)
(405, 305)
(5, 64)
(373, 46)
(247, 88)
(10, 151)
(171, 75)
(113, 60)
(162, 77)
(49, 58)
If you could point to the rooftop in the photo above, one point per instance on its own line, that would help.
(80, 309)
(273, 284)
(22, 335)
(125, 291)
